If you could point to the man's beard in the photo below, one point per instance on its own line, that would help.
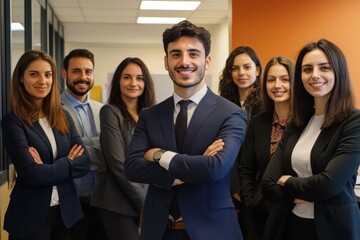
(75, 91)
(200, 76)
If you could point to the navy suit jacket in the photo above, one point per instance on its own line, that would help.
(30, 198)
(204, 198)
(335, 158)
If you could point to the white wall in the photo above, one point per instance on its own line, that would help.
(109, 55)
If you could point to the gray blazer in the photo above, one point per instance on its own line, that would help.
(93, 143)
(114, 191)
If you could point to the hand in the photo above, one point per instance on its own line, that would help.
(214, 148)
(297, 200)
(237, 197)
(149, 154)
(283, 179)
(75, 151)
(35, 155)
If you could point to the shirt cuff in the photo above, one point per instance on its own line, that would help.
(166, 159)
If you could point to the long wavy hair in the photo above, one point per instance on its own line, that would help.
(146, 99)
(229, 90)
(22, 104)
(340, 104)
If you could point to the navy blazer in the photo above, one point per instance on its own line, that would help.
(335, 158)
(30, 198)
(204, 198)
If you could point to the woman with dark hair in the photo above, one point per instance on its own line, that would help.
(264, 132)
(119, 200)
(47, 152)
(313, 172)
(240, 84)
(240, 80)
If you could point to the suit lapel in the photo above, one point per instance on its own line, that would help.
(319, 147)
(40, 132)
(206, 106)
(166, 119)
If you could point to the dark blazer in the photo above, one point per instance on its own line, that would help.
(253, 159)
(114, 191)
(30, 198)
(204, 199)
(335, 158)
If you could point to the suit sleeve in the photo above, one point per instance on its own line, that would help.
(114, 148)
(200, 169)
(17, 140)
(79, 166)
(275, 169)
(137, 169)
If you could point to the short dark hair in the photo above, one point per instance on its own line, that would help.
(186, 28)
(267, 102)
(340, 105)
(78, 53)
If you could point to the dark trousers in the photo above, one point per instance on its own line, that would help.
(171, 234)
(298, 228)
(53, 229)
(90, 226)
(118, 226)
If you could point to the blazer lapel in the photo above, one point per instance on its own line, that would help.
(203, 110)
(319, 147)
(166, 120)
(40, 132)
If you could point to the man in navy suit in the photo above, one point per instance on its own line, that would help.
(198, 181)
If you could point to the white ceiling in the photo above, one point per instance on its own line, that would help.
(114, 21)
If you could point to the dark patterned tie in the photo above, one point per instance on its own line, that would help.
(180, 132)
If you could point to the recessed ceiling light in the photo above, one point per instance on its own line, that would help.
(17, 26)
(159, 20)
(170, 5)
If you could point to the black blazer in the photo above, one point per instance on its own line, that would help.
(30, 197)
(254, 158)
(335, 158)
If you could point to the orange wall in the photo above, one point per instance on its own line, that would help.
(283, 27)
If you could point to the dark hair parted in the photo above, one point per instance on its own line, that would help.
(229, 90)
(267, 103)
(22, 103)
(78, 53)
(340, 104)
(146, 99)
(186, 28)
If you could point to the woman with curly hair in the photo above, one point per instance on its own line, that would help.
(240, 80)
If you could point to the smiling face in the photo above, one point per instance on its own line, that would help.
(131, 82)
(186, 63)
(317, 75)
(37, 80)
(79, 76)
(244, 71)
(278, 83)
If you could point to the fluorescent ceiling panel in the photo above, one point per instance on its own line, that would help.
(159, 20)
(17, 26)
(170, 5)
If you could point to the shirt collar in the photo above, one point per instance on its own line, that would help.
(196, 98)
(74, 101)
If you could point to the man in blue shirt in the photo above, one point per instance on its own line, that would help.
(78, 72)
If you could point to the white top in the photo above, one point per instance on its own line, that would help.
(50, 135)
(300, 160)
